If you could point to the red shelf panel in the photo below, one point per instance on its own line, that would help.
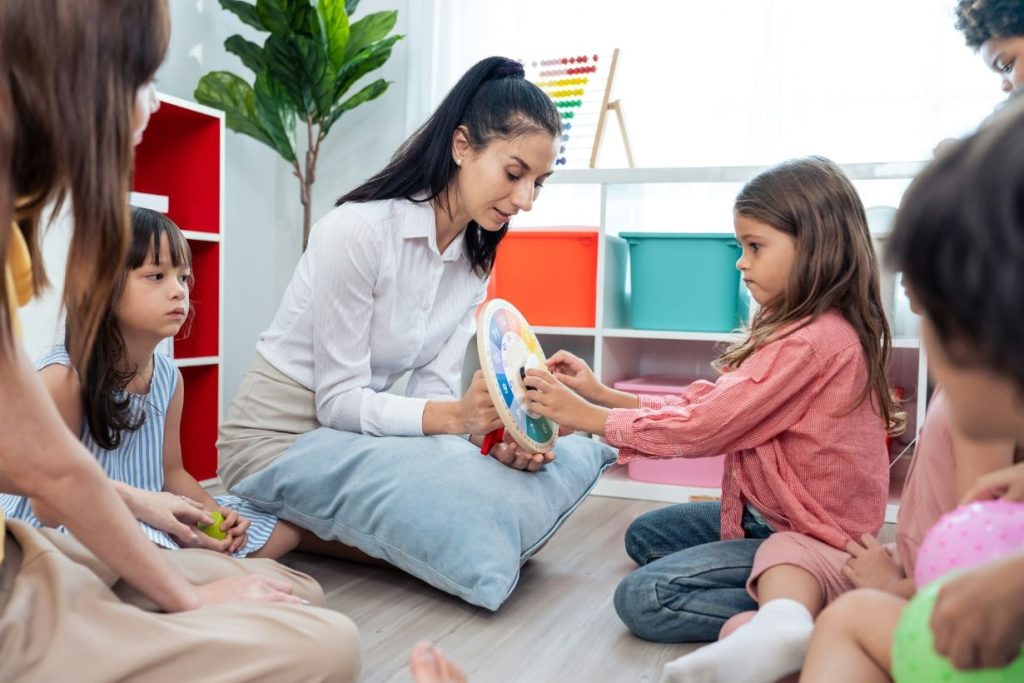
(199, 421)
(179, 157)
(201, 336)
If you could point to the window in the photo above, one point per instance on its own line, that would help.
(744, 82)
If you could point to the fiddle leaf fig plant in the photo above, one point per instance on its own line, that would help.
(304, 71)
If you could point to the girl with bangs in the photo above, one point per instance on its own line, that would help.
(802, 409)
(126, 407)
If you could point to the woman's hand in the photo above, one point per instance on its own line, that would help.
(1004, 484)
(177, 516)
(236, 527)
(250, 588)
(574, 373)
(476, 411)
(509, 453)
(548, 397)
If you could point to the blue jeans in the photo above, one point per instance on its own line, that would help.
(690, 581)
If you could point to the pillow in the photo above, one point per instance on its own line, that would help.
(432, 506)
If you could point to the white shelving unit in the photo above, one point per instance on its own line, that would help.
(682, 200)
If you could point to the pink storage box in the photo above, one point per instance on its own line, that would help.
(702, 472)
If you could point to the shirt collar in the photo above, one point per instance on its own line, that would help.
(420, 222)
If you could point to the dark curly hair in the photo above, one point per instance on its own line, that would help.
(981, 20)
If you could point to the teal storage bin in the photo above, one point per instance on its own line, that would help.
(685, 282)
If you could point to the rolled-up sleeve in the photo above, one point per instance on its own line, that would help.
(744, 408)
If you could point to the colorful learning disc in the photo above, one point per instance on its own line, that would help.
(507, 347)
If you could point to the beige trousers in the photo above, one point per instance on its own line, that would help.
(65, 616)
(269, 412)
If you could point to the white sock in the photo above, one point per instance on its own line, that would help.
(768, 647)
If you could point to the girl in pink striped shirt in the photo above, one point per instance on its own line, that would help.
(802, 409)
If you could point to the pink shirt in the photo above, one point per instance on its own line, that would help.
(796, 451)
(930, 489)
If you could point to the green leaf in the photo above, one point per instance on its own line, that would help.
(284, 17)
(300, 64)
(275, 115)
(369, 29)
(367, 60)
(244, 11)
(350, 6)
(225, 91)
(249, 52)
(336, 30)
(370, 92)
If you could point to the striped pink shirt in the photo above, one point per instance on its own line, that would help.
(795, 450)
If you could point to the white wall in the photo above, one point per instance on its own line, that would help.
(262, 213)
(263, 216)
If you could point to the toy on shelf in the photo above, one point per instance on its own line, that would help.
(508, 348)
(581, 87)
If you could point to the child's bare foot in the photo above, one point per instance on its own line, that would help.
(429, 665)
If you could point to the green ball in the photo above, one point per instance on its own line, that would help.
(213, 530)
(915, 660)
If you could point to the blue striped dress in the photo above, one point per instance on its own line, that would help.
(138, 461)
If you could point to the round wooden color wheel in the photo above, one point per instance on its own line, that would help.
(507, 348)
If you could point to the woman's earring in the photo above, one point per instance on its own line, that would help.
(458, 162)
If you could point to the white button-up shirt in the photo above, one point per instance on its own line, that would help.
(371, 299)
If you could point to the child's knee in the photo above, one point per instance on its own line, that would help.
(647, 616)
(847, 610)
(636, 542)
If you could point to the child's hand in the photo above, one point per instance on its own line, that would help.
(509, 453)
(177, 516)
(574, 373)
(978, 619)
(548, 397)
(1007, 484)
(236, 526)
(872, 566)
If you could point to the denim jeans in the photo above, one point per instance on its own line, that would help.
(690, 581)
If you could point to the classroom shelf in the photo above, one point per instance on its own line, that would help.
(615, 483)
(179, 170)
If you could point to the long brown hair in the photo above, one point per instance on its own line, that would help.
(108, 410)
(69, 74)
(814, 202)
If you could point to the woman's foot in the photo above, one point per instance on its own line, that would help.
(429, 665)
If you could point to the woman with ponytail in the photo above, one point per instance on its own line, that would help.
(391, 279)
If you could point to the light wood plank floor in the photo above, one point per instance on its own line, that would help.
(558, 625)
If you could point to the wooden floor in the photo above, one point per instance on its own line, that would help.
(558, 625)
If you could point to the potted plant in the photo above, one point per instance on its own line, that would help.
(304, 70)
